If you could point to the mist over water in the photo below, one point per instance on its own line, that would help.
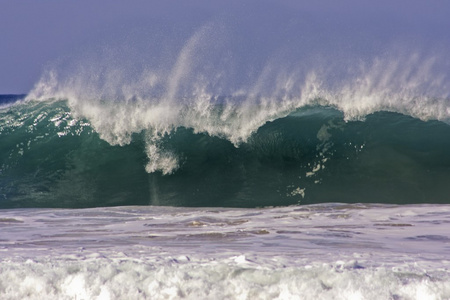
(257, 66)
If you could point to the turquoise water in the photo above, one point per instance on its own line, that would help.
(50, 158)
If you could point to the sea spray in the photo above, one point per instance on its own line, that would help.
(116, 115)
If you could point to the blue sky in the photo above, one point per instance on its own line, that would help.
(35, 35)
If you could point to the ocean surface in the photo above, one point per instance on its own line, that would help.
(270, 151)
(301, 203)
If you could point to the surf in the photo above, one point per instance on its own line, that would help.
(200, 122)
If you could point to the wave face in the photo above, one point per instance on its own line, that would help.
(52, 155)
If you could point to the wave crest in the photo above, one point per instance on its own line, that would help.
(196, 90)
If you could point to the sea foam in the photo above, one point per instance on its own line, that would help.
(328, 251)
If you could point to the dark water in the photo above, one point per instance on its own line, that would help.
(48, 158)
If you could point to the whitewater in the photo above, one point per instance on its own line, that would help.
(247, 156)
(332, 251)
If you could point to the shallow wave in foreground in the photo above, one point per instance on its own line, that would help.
(328, 251)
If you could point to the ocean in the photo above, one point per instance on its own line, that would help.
(301, 154)
(223, 200)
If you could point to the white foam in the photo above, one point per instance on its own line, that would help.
(217, 279)
(327, 251)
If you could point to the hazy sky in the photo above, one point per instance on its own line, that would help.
(37, 34)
